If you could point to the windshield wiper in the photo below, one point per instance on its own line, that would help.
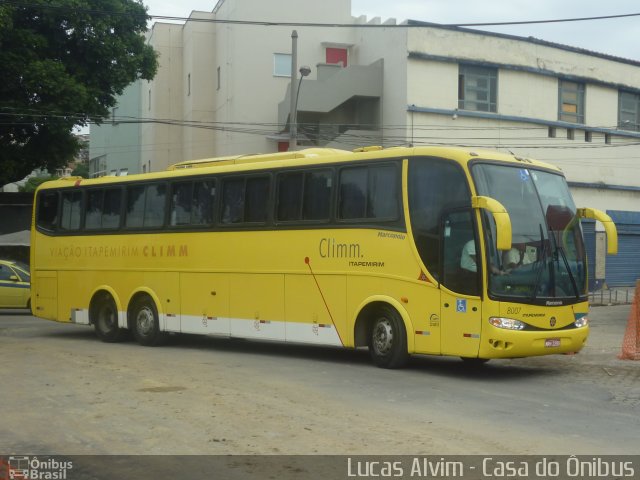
(540, 267)
(560, 250)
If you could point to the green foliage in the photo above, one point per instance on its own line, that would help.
(63, 64)
(34, 182)
(81, 170)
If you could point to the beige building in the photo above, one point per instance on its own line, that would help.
(223, 88)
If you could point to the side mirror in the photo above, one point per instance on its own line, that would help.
(607, 223)
(500, 216)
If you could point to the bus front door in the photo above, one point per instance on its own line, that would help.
(460, 302)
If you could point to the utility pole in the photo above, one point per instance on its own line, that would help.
(293, 128)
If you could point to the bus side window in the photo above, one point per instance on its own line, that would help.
(203, 202)
(257, 199)
(70, 211)
(112, 208)
(154, 206)
(233, 200)
(353, 193)
(369, 192)
(382, 192)
(181, 200)
(316, 203)
(290, 189)
(135, 206)
(93, 209)
(304, 196)
(47, 210)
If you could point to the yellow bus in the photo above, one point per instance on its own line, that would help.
(440, 251)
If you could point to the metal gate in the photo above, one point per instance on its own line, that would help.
(623, 269)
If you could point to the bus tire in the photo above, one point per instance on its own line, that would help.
(145, 323)
(388, 339)
(104, 316)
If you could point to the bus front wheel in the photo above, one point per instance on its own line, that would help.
(104, 316)
(388, 339)
(145, 323)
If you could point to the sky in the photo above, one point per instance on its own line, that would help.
(619, 37)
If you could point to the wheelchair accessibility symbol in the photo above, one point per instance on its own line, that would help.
(461, 305)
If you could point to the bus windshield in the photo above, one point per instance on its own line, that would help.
(547, 261)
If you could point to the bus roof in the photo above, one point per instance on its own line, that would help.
(309, 156)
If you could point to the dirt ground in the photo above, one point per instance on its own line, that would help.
(66, 393)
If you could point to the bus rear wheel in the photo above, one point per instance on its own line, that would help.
(146, 324)
(388, 339)
(104, 316)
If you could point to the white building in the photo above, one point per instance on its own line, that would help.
(223, 88)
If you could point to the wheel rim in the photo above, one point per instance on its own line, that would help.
(145, 321)
(382, 336)
(107, 319)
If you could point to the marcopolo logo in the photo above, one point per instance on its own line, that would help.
(32, 468)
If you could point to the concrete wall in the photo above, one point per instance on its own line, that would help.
(162, 100)
(199, 77)
(250, 93)
(116, 142)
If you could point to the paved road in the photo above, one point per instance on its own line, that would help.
(64, 392)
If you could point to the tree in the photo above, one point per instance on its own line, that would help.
(63, 63)
(81, 170)
(33, 183)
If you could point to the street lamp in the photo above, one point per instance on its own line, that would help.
(295, 91)
(304, 71)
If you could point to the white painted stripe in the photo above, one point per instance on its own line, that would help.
(265, 329)
(312, 333)
(205, 325)
(294, 332)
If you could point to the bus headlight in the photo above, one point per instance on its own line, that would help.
(508, 323)
(581, 322)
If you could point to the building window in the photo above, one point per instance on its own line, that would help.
(571, 101)
(478, 88)
(571, 134)
(588, 136)
(219, 78)
(337, 56)
(188, 85)
(629, 111)
(281, 65)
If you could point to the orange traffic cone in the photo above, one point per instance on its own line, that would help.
(631, 340)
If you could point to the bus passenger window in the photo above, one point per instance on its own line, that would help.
(382, 193)
(135, 206)
(289, 194)
(71, 203)
(233, 200)
(154, 206)
(353, 191)
(204, 199)
(369, 192)
(47, 210)
(181, 194)
(93, 216)
(111, 208)
(256, 199)
(317, 195)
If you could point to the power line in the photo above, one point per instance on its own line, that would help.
(312, 24)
